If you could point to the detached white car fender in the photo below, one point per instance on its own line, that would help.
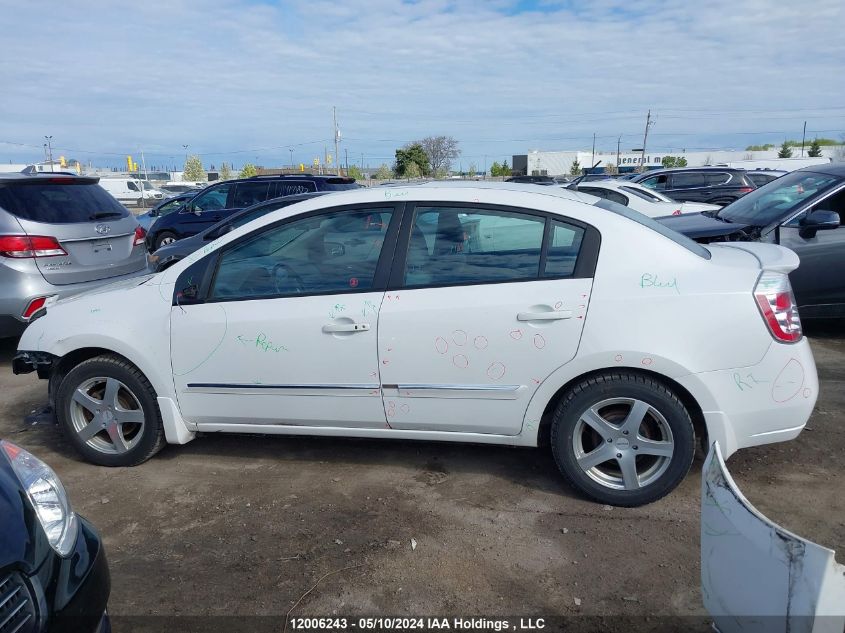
(756, 576)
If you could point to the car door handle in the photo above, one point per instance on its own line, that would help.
(556, 315)
(345, 327)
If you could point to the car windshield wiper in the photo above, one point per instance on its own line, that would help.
(105, 214)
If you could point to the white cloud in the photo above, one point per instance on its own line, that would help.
(235, 75)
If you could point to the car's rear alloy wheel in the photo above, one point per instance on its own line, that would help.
(109, 412)
(623, 438)
(164, 239)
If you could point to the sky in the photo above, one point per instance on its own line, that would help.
(249, 80)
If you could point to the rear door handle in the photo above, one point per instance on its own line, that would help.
(556, 315)
(346, 327)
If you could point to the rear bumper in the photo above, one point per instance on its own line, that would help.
(18, 289)
(760, 404)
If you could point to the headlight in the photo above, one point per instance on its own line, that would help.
(47, 496)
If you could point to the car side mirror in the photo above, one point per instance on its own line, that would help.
(196, 210)
(153, 213)
(818, 220)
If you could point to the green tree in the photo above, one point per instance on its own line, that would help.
(355, 172)
(412, 170)
(472, 170)
(506, 171)
(673, 161)
(495, 169)
(248, 171)
(413, 154)
(785, 151)
(193, 171)
(575, 170)
(815, 149)
(383, 173)
(225, 172)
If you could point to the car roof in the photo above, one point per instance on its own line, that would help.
(33, 176)
(837, 169)
(653, 172)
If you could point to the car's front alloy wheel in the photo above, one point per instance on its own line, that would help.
(623, 438)
(109, 412)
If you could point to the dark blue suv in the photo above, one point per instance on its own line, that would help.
(221, 200)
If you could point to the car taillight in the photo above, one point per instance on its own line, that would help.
(34, 306)
(140, 236)
(30, 246)
(777, 305)
(746, 189)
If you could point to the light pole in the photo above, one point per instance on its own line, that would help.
(50, 150)
(186, 154)
(290, 149)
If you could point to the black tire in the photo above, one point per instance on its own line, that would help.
(140, 441)
(665, 417)
(161, 237)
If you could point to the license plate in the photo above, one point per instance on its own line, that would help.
(102, 246)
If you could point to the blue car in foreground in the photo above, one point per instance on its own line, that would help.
(53, 571)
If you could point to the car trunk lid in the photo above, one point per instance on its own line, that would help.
(770, 256)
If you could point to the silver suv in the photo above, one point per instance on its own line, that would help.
(60, 235)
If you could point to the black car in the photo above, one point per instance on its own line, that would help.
(219, 201)
(713, 185)
(169, 254)
(53, 571)
(165, 207)
(799, 211)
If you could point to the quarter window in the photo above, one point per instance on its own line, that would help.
(563, 250)
(329, 253)
(467, 246)
(719, 178)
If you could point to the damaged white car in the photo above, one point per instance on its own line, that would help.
(501, 314)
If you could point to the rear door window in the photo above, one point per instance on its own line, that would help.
(250, 193)
(714, 180)
(60, 203)
(688, 180)
(468, 246)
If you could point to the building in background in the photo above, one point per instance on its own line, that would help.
(540, 163)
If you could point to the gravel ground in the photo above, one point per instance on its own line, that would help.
(237, 525)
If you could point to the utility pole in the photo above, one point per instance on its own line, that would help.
(346, 153)
(146, 180)
(803, 136)
(336, 135)
(593, 159)
(186, 154)
(290, 149)
(648, 124)
(618, 145)
(50, 150)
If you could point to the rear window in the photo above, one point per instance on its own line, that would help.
(60, 203)
(639, 218)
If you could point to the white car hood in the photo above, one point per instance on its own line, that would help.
(698, 207)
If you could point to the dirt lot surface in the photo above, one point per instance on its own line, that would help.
(236, 525)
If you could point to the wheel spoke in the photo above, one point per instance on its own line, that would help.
(628, 466)
(635, 417)
(85, 401)
(598, 424)
(92, 428)
(116, 436)
(651, 447)
(597, 456)
(129, 416)
(110, 396)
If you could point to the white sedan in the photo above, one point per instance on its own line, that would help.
(647, 201)
(499, 314)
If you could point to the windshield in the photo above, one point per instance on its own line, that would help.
(147, 185)
(779, 198)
